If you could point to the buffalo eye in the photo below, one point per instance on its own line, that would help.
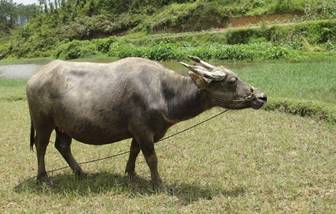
(232, 80)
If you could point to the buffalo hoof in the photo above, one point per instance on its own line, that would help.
(81, 175)
(44, 181)
(131, 176)
(159, 187)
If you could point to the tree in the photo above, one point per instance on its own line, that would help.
(9, 12)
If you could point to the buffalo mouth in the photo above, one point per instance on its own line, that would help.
(259, 102)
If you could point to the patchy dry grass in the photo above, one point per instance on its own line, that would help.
(246, 161)
(243, 162)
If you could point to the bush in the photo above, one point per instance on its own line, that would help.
(4, 51)
(192, 16)
(123, 49)
(76, 49)
(276, 52)
(175, 51)
(103, 45)
(236, 52)
(164, 52)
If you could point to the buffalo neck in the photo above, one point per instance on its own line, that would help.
(184, 99)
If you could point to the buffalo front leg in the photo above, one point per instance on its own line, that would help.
(134, 151)
(63, 145)
(148, 151)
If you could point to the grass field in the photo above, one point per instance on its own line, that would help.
(304, 81)
(244, 162)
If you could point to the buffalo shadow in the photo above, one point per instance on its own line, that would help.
(102, 182)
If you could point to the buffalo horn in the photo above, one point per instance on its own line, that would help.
(216, 75)
(204, 64)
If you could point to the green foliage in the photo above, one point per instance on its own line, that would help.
(277, 52)
(9, 12)
(188, 17)
(169, 51)
(103, 45)
(89, 19)
(157, 52)
(4, 49)
(315, 32)
(123, 49)
(164, 52)
(76, 49)
(273, 42)
(288, 6)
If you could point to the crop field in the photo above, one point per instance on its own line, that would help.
(242, 162)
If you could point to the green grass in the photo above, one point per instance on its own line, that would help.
(243, 162)
(303, 81)
(40, 60)
(306, 89)
(12, 90)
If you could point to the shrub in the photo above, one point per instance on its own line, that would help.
(236, 52)
(164, 52)
(190, 16)
(4, 50)
(76, 49)
(132, 51)
(103, 45)
(123, 49)
(276, 52)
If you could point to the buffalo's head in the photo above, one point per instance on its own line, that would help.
(224, 87)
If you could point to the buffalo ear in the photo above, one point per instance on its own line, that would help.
(200, 82)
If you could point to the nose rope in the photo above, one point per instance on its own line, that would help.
(248, 97)
(126, 152)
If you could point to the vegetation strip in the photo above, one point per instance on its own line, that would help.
(273, 42)
(316, 110)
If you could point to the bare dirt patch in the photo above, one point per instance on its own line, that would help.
(271, 18)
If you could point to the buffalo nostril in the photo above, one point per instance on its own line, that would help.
(263, 97)
(252, 89)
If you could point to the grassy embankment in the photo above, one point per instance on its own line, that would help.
(246, 161)
(310, 40)
(74, 30)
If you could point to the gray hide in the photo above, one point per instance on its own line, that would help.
(131, 98)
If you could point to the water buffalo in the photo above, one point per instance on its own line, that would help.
(136, 98)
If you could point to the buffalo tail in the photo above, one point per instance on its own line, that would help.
(32, 136)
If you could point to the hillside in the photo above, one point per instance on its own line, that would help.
(71, 20)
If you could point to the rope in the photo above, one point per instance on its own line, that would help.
(126, 152)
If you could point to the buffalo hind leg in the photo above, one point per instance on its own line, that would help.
(63, 145)
(130, 167)
(41, 143)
